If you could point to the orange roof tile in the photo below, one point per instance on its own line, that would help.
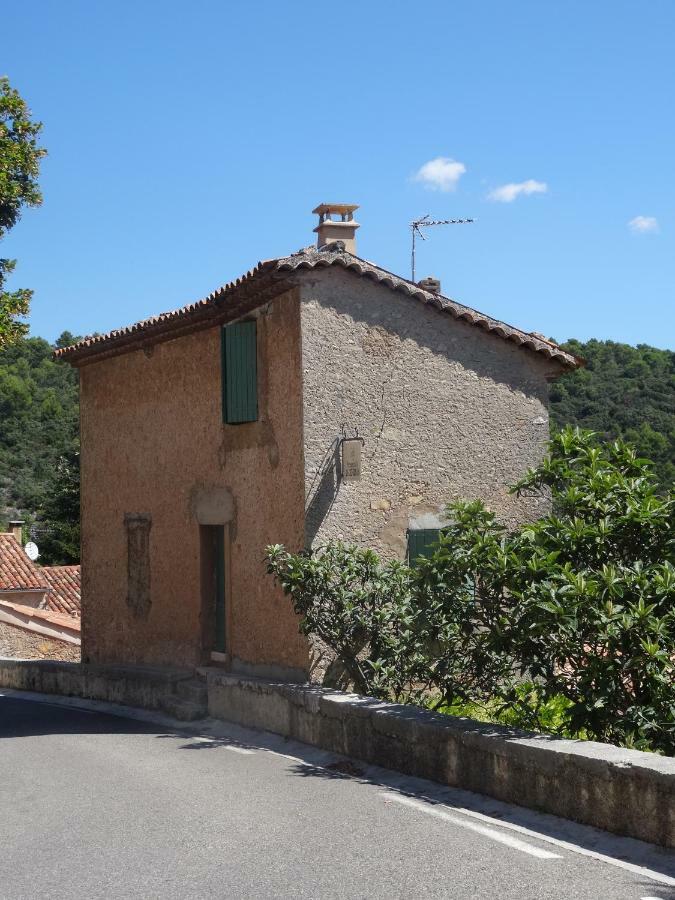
(17, 572)
(64, 596)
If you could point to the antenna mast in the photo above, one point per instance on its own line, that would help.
(417, 225)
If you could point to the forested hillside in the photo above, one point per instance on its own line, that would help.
(38, 439)
(626, 391)
(623, 391)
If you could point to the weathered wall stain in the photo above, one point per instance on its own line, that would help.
(138, 527)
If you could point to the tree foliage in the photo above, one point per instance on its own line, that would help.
(60, 513)
(626, 392)
(20, 157)
(575, 612)
(39, 417)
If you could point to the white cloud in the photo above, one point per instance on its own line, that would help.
(507, 193)
(643, 224)
(440, 174)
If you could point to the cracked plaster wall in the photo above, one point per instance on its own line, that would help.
(447, 411)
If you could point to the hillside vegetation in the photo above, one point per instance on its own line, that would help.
(626, 392)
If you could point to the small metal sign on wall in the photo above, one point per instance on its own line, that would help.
(351, 457)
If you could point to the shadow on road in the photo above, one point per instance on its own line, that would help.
(25, 718)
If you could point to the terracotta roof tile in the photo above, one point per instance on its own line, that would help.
(17, 572)
(64, 596)
(275, 276)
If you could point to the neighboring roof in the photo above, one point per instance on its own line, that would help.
(273, 277)
(64, 596)
(61, 584)
(72, 623)
(17, 572)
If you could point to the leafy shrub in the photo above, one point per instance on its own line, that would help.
(360, 608)
(592, 611)
(530, 712)
(566, 624)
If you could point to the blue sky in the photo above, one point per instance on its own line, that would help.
(188, 141)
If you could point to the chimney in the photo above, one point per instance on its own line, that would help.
(16, 528)
(430, 284)
(340, 229)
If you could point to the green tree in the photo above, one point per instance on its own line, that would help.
(39, 421)
(590, 599)
(622, 392)
(20, 157)
(578, 608)
(60, 513)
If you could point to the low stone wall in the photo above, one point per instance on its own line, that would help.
(141, 686)
(623, 791)
(23, 644)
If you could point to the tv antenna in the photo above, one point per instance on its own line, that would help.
(417, 225)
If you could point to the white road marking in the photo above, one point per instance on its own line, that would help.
(575, 848)
(231, 747)
(643, 871)
(295, 759)
(440, 813)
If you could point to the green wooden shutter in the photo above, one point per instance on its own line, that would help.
(421, 543)
(240, 372)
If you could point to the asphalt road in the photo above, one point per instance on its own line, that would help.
(99, 806)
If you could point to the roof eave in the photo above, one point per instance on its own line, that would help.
(273, 277)
(226, 304)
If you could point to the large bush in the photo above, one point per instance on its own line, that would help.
(574, 612)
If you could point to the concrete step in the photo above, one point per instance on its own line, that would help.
(193, 689)
(185, 710)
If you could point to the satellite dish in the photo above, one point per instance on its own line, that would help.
(32, 551)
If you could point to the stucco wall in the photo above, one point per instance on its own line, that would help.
(446, 410)
(154, 444)
(23, 644)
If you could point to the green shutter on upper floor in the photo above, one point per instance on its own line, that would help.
(240, 372)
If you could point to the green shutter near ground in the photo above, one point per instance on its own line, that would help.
(240, 372)
(421, 542)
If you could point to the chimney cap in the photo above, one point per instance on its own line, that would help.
(343, 228)
(340, 208)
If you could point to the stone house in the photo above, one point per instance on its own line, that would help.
(39, 605)
(318, 396)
